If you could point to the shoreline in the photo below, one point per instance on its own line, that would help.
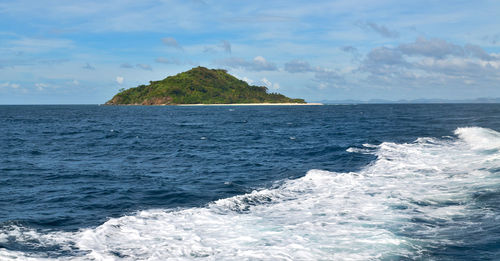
(251, 104)
(224, 104)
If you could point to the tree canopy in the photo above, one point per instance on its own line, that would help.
(198, 85)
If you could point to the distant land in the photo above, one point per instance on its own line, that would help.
(200, 86)
(415, 101)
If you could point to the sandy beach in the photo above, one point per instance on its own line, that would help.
(252, 104)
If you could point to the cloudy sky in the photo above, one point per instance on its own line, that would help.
(84, 51)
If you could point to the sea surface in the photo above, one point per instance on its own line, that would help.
(335, 182)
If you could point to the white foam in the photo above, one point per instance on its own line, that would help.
(479, 138)
(358, 150)
(323, 215)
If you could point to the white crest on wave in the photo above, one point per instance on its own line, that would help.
(369, 214)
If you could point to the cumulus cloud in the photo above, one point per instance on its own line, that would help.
(298, 66)
(143, 66)
(492, 39)
(266, 82)
(171, 42)
(419, 54)
(435, 47)
(383, 59)
(477, 51)
(424, 48)
(261, 64)
(325, 77)
(328, 78)
(248, 80)
(426, 62)
(119, 79)
(258, 63)
(384, 55)
(379, 29)
(269, 84)
(459, 67)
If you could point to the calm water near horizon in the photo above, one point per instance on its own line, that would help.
(355, 182)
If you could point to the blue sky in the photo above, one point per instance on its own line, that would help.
(66, 52)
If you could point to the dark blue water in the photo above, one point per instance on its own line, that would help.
(68, 168)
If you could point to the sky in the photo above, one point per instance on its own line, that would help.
(83, 52)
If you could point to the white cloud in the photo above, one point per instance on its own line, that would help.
(266, 82)
(269, 84)
(328, 78)
(435, 47)
(10, 85)
(40, 86)
(324, 76)
(262, 64)
(431, 62)
(119, 79)
(287, 39)
(260, 59)
(249, 81)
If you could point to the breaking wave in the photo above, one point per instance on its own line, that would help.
(415, 200)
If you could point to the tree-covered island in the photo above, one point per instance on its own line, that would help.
(198, 86)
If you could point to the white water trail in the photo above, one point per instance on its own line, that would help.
(402, 203)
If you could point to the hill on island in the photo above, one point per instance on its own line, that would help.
(198, 86)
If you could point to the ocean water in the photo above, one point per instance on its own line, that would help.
(353, 182)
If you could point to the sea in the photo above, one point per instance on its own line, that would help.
(332, 182)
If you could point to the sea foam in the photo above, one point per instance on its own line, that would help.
(413, 198)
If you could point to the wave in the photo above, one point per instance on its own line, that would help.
(414, 199)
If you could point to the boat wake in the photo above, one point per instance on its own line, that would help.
(415, 200)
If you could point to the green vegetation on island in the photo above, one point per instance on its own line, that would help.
(198, 86)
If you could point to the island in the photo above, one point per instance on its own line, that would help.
(201, 86)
